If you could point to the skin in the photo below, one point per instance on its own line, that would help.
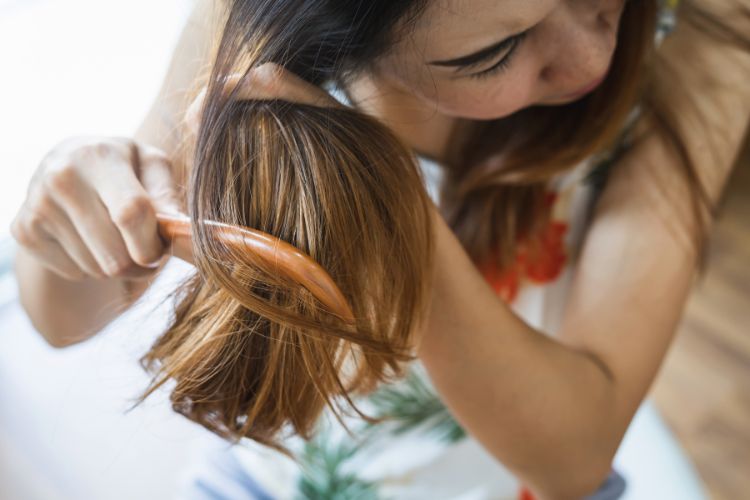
(570, 44)
(552, 408)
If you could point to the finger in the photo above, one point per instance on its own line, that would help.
(157, 178)
(129, 212)
(192, 115)
(94, 224)
(53, 256)
(42, 221)
(64, 232)
(43, 247)
(266, 81)
(273, 81)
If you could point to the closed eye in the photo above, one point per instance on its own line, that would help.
(504, 62)
(485, 54)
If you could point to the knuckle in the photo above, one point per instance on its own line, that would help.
(14, 227)
(20, 234)
(152, 154)
(124, 141)
(94, 152)
(41, 204)
(269, 69)
(192, 113)
(117, 266)
(100, 149)
(27, 226)
(270, 75)
(35, 223)
(62, 180)
(148, 253)
(132, 212)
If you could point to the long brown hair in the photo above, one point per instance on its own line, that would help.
(251, 354)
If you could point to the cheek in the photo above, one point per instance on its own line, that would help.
(484, 99)
(487, 98)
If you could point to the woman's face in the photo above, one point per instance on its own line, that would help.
(554, 48)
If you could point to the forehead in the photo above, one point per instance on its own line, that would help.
(448, 27)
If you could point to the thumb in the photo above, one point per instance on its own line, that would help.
(157, 176)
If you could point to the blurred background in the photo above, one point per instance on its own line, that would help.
(703, 390)
(93, 67)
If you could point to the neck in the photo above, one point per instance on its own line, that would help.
(419, 125)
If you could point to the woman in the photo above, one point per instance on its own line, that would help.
(552, 409)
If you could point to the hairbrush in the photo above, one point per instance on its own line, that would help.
(285, 258)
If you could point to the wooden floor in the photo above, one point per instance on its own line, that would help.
(703, 390)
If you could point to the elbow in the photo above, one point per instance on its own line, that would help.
(585, 450)
(573, 485)
(590, 482)
(591, 473)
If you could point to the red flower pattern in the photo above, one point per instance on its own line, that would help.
(525, 494)
(541, 263)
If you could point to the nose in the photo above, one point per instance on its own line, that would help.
(582, 39)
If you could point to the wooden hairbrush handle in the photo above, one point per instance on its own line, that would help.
(286, 258)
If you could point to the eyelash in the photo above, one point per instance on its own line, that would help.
(502, 63)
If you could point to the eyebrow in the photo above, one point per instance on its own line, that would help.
(480, 55)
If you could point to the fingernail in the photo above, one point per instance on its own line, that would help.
(153, 264)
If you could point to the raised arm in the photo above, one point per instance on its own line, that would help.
(190, 61)
(67, 311)
(554, 410)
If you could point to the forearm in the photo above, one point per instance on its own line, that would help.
(545, 409)
(538, 406)
(66, 312)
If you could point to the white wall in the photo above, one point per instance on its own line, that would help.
(75, 67)
(80, 67)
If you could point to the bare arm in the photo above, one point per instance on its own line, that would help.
(190, 61)
(554, 410)
(68, 311)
